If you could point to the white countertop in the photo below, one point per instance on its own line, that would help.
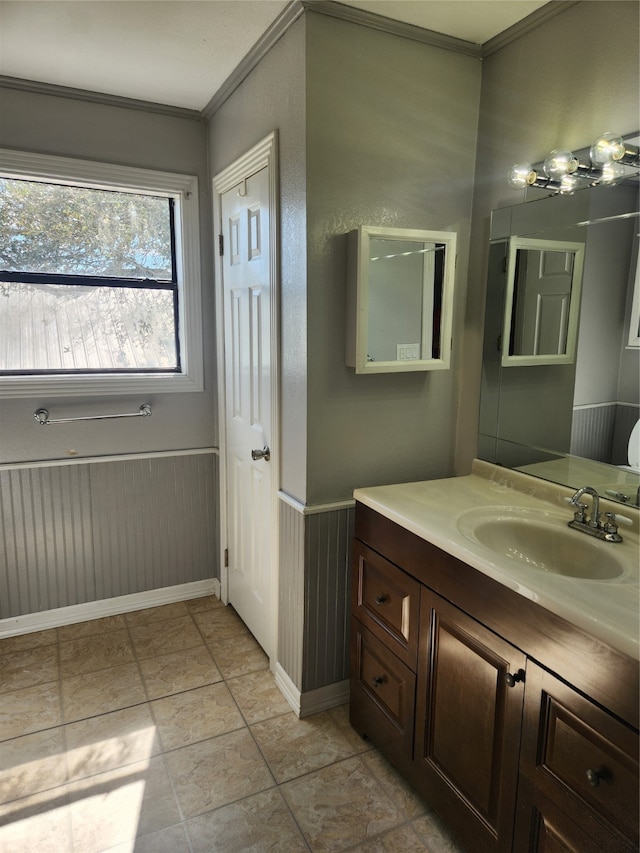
(607, 609)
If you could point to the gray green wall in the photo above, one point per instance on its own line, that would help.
(391, 134)
(272, 97)
(374, 130)
(85, 129)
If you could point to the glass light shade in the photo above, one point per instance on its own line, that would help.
(568, 184)
(521, 175)
(560, 163)
(612, 172)
(608, 148)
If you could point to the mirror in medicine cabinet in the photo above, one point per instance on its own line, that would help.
(400, 299)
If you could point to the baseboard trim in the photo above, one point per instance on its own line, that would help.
(329, 696)
(31, 622)
(287, 688)
(312, 701)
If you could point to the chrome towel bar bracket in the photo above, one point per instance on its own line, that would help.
(42, 416)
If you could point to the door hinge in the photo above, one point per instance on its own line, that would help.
(226, 558)
(220, 245)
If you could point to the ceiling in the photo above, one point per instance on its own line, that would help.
(180, 52)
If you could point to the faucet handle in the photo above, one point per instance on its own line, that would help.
(581, 511)
(610, 525)
(616, 518)
(580, 508)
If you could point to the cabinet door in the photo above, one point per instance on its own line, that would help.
(583, 760)
(468, 718)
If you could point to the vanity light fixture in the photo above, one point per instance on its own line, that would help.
(523, 175)
(611, 149)
(560, 164)
(563, 171)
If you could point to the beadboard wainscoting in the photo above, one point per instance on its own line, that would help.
(313, 609)
(74, 533)
(601, 431)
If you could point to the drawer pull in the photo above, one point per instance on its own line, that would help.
(594, 777)
(513, 678)
(380, 599)
(377, 681)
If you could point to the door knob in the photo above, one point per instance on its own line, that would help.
(265, 454)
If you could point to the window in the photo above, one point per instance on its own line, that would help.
(99, 278)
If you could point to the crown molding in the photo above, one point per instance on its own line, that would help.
(278, 28)
(290, 14)
(53, 90)
(531, 22)
(388, 25)
(296, 8)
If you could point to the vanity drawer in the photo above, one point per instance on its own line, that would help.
(384, 690)
(580, 753)
(386, 600)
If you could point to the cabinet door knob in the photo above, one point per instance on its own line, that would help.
(380, 599)
(594, 777)
(513, 678)
(377, 681)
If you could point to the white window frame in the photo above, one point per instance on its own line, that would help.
(182, 188)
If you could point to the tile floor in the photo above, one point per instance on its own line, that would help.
(162, 731)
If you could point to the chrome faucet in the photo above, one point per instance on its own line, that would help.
(607, 530)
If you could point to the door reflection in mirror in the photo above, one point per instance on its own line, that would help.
(544, 280)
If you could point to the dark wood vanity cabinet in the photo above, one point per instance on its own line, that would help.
(579, 769)
(468, 718)
(450, 678)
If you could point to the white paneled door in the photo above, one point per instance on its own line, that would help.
(246, 273)
(543, 310)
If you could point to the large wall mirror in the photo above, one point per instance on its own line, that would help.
(400, 299)
(569, 416)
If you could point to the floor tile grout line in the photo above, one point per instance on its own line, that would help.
(274, 787)
(294, 818)
(158, 654)
(406, 819)
(136, 658)
(408, 822)
(175, 796)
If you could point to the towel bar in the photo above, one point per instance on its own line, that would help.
(42, 416)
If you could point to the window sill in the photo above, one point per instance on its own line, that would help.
(97, 385)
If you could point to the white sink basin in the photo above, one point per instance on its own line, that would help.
(541, 541)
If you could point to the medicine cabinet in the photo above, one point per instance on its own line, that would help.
(400, 299)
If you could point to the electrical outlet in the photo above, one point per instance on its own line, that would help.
(407, 352)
